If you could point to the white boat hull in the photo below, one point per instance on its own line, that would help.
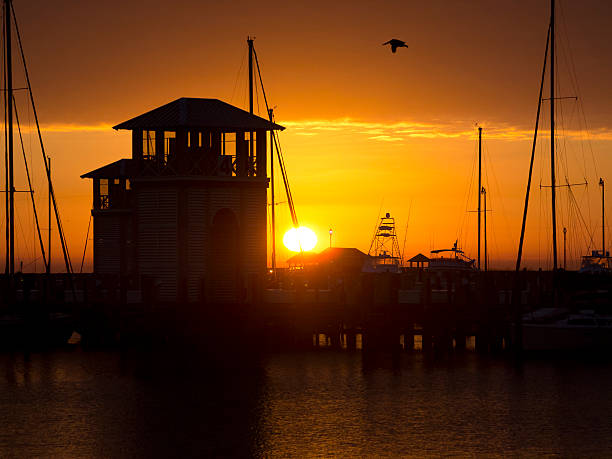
(563, 337)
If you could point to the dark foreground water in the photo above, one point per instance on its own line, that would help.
(76, 403)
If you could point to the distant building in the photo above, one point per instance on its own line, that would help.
(337, 260)
(188, 210)
(420, 260)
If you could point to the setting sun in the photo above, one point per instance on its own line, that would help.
(300, 239)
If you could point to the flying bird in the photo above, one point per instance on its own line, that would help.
(395, 43)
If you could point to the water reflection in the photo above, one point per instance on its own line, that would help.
(319, 403)
(109, 404)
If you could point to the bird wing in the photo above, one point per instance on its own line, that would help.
(387, 42)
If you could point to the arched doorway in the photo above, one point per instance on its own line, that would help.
(224, 257)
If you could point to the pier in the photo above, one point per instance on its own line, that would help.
(412, 310)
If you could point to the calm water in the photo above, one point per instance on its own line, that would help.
(76, 403)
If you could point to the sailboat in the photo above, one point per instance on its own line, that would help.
(556, 328)
(29, 314)
(599, 261)
(456, 259)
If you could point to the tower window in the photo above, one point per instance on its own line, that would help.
(104, 198)
(148, 144)
(229, 143)
(169, 144)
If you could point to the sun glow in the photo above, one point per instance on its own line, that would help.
(302, 238)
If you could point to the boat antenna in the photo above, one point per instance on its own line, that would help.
(403, 254)
(376, 225)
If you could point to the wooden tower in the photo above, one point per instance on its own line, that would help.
(187, 212)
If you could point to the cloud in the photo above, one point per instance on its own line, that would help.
(405, 130)
(68, 128)
(386, 138)
(401, 131)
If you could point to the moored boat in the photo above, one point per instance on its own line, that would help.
(455, 260)
(582, 331)
(27, 317)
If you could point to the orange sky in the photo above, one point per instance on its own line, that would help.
(364, 126)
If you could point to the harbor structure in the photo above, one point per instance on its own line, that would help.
(420, 260)
(384, 247)
(186, 214)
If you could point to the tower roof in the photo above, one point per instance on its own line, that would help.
(420, 258)
(123, 168)
(191, 112)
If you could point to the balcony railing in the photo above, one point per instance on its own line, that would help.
(104, 202)
(120, 200)
(196, 165)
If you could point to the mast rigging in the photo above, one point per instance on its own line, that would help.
(68, 264)
(279, 152)
(533, 150)
(27, 171)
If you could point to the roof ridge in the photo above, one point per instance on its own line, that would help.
(194, 112)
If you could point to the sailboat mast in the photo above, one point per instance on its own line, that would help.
(250, 43)
(552, 132)
(271, 115)
(251, 134)
(479, 186)
(49, 212)
(533, 149)
(272, 146)
(9, 122)
(603, 219)
(6, 168)
(484, 197)
(564, 249)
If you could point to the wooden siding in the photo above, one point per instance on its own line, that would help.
(107, 244)
(197, 234)
(159, 227)
(157, 239)
(254, 239)
(223, 280)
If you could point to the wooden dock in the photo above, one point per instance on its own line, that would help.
(367, 311)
